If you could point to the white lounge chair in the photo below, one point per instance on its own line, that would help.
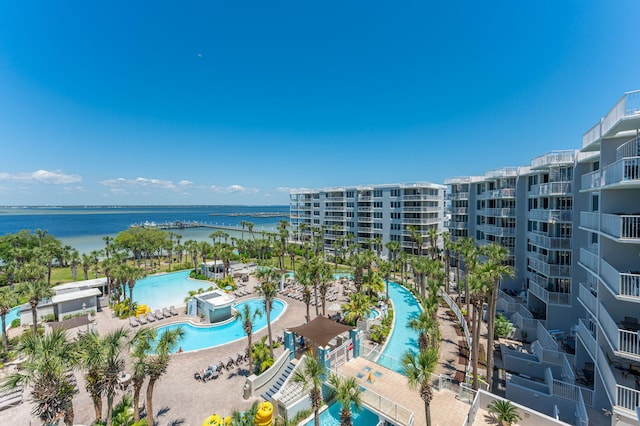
(158, 314)
(133, 322)
(142, 319)
(150, 317)
(173, 311)
(166, 312)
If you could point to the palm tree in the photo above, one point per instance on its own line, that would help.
(418, 369)
(245, 418)
(250, 226)
(304, 276)
(158, 362)
(394, 248)
(142, 343)
(7, 299)
(35, 291)
(495, 269)
(416, 236)
(357, 308)
(348, 393)
(107, 242)
(113, 365)
(432, 234)
(91, 350)
(424, 324)
(310, 376)
(268, 289)
(506, 413)
(247, 318)
(48, 373)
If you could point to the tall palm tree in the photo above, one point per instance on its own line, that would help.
(425, 325)
(310, 376)
(495, 269)
(348, 393)
(158, 362)
(418, 369)
(394, 248)
(416, 236)
(142, 344)
(432, 234)
(91, 351)
(48, 374)
(356, 308)
(268, 289)
(107, 243)
(304, 277)
(113, 344)
(247, 318)
(35, 291)
(7, 299)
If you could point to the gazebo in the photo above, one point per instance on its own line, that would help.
(320, 330)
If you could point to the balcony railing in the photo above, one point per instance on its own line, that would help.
(365, 198)
(459, 196)
(590, 220)
(620, 172)
(625, 284)
(588, 299)
(621, 226)
(553, 243)
(551, 188)
(591, 180)
(553, 298)
(421, 209)
(627, 106)
(497, 231)
(551, 215)
(499, 193)
(622, 396)
(589, 260)
(504, 212)
(458, 225)
(550, 270)
(587, 337)
(625, 341)
(629, 149)
(334, 208)
(459, 210)
(552, 159)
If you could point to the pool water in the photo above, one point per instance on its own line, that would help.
(207, 336)
(402, 338)
(13, 314)
(331, 416)
(162, 291)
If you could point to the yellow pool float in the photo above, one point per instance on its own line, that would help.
(213, 420)
(142, 309)
(264, 414)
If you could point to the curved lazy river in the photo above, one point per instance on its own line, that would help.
(206, 336)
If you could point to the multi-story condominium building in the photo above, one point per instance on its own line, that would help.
(367, 215)
(572, 222)
(608, 330)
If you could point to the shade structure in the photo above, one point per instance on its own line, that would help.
(321, 330)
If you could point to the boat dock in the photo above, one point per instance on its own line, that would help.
(179, 224)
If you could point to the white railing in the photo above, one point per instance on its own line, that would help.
(629, 149)
(553, 158)
(459, 196)
(567, 370)
(588, 299)
(587, 338)
(546, 339)
(627, 398)
(592, 135)
(622, 340)
(627, 106)
(571, 392)
(590, 260)
(551, 188)
(621, 283)
(503, 212)
(591, 180)
(556, 243)
(550, 215)
(582, 418)
(459, 210)
(621, 226)
(627, 169)
(590, 220)
(606, 376)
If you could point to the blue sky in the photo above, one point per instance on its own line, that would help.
(212, 102)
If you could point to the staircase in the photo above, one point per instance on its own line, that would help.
(278, 384)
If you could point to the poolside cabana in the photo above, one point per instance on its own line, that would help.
(215, 305)
(321, 331)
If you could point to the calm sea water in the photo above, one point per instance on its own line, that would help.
(84, 227)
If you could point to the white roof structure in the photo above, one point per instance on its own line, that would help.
(75, 295)
(97, 282)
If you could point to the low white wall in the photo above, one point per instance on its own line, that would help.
(254, 384)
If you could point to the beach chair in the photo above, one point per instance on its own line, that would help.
(221, 367)
(150, 317)
(172, 310)
(239, 358)
(133, 322)
(166, 312)
(230, 363)
(142, 319)
(158, 314)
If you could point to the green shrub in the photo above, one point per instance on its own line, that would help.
(15, 323)
(48, 318)
(502, 326)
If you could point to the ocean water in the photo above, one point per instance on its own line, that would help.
(84, 227)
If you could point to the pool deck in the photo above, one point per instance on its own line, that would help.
(181, 400)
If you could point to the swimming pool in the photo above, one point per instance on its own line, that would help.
(162, 291)
(14, 313)
(205, 336)
(402, 338)
(331, 416)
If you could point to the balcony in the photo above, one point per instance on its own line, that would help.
(365, 219)
(504, 212)
(587, 336)
(623, 173)
(622, 339)
(334, 199)
(458, 225)
(365, 198)
(459, 210)
(588, 299)
(497, 231)
(550, 243)
(365, 230)
(553, 159)
(421, 209)
(622, 227)
(590, 221)
(334, 208)
(549, 269)
(549, 297)
(459, 196)
(589, 260)
(627, 109)
(550, 216)
(621, 284)
(498, 193)
(551, 188)
(618, 386)
(629, 149)
(422, 197)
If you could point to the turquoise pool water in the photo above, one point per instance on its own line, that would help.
(13, 314)
(331, 417)
(202, 337)
(403, 338)
(162, 291)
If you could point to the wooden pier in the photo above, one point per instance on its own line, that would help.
(178, 224)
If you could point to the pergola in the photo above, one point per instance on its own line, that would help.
(321, 330)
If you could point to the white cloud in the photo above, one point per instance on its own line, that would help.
(55, 177)
(234, 189)
(185, 183)
(139, 182)
(283, 189)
